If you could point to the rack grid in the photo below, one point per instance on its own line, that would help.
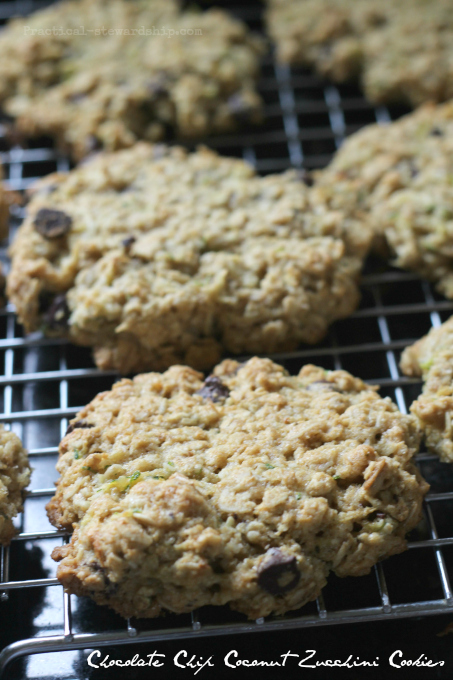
(45, 381)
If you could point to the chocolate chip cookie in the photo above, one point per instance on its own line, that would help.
(246, 488)
(432, 358)
(401, 175)
(154, 256)
(399, 51)
(95, 74)
(14, 477)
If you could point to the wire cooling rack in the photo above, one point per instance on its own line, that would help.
(45, 381)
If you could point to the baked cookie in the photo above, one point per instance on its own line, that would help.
(399, 51)
(14, 477)
(155, 256)
(432, 358)
(98, 73)
(401, 175)
(247, 488)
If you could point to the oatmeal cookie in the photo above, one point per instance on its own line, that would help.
(432, 358)
(102, 74)
(246, 488)
(399, 51)
(14, 477)
(155, 256)
(401, 176)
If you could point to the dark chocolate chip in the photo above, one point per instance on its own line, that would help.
(158, 87)
(56, 317)
(278, 573)
(216, 566)
(305, 177)
(213, 389)
(128, 242)
(322, 386)
(413, 169)
(52, 223)
(215, 588)
(241, 110)
(110, 588)
(82, 424)
(436, 132)
(376, 515)
(93, 143)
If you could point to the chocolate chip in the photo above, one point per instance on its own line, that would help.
(158, 87)
(242, 111)
(213, 389)
(216, 566)
(57, 315)
(413, 170)
(82, 424)
(128, 242)
(376, 515)
(278, 573)
(305, 177)
(215, 588)
(52, 223)
(322, 386)
(436, 132)
(93, 143)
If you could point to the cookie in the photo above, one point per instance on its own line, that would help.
(246, 488)
(399, 51)
(401, 176)
(95, 74)
(14, 477)
(155, 256)
(432, 359)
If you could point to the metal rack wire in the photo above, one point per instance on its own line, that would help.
(45, 381)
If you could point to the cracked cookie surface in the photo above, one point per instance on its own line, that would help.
(399, 51)
(247, 488)
(97, 74)
(14, 477)
(155, 256)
